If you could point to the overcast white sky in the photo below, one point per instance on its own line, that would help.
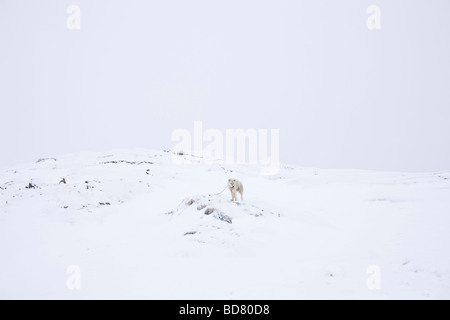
(342, 96)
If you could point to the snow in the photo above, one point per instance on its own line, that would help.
(141, 227)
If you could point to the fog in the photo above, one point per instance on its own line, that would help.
(341, 95)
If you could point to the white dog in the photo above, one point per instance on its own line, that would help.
(235, 186)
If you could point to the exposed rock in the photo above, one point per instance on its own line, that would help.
(31, 186)
(223, 217)
(45, 159)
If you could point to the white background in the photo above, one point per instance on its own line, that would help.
(342, 96)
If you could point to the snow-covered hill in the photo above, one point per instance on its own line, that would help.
(139, 226)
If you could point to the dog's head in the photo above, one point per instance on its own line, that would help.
(231, 183)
